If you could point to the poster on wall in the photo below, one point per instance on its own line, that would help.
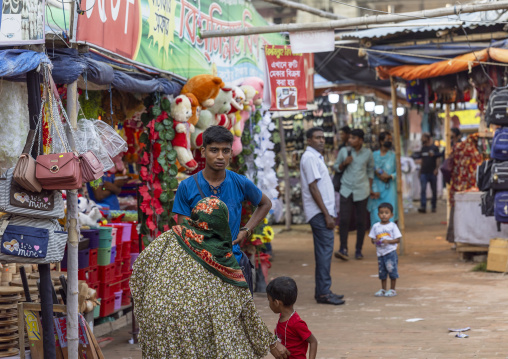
(164, 34)
(286, 77)
(22, 22)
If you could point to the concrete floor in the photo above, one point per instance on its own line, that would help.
(434, 285)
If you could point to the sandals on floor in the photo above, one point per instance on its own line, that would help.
(391, 293)
(380, 293)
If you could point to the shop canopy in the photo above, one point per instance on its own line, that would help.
(69, 65)
(15, 63)
(446, 67)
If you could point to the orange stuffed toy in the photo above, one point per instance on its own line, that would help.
(205, 88)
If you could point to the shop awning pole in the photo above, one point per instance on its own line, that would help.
(448, 151)
(396, 138)
(356, 21)
(287, 187)
(306, 8)
(73, 241)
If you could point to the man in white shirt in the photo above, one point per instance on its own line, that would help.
(319, 206)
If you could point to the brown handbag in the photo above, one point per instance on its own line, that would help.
(59, 171)
(91, 168)
(24, 172)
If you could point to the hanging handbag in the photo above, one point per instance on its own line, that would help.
(91, 168)
(24, 172)
(17, 200)
(28, 240)
(60, 171)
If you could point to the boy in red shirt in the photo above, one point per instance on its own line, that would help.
(291, 330)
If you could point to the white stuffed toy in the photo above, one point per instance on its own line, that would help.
(181, 112)
(91, 218)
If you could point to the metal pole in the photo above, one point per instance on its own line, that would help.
(287, 187)
(73, 241)
(448, 151)
(306, 8)
(356, 21)
(396, 137)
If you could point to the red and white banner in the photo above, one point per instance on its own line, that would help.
(286, 75)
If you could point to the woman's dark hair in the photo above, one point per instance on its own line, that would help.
(283, 289)
(456, 131)
(385, 205)
(310, 131)
(217, 134)
(346, 130)
(383, 135)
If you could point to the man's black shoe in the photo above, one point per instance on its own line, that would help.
(433, 210)
(359, 255)
(422, 210)
(338, 296)
(342, 255)
(330, 299)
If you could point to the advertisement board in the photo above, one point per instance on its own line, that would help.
(22, 22)
(163, 34)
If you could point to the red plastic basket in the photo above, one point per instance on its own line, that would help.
(107, 273)
(107, 306)
(93, 257)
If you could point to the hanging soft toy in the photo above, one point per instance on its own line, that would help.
(181, 112)
(215, 115)
(205, 88)
(236, 106)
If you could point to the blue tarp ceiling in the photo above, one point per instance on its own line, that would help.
(68, 65)
(15, 63)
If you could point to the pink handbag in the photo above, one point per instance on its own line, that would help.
(91, 168)
(59, 171)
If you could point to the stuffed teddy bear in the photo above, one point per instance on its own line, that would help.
(250, 92)
(91, 218)
(181, 112)
(237, 104)
(205, 88)
(215, 115)
(196, 109)
(259, 86)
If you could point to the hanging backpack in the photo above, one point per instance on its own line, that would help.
(499, 150)
(487, 204)
(483, 175)
(499, 176)
(501, 207)
(497, 108)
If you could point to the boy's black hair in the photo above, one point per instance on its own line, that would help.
(358, 133)
(385, 205)
(283, 289)
(217, 134)
(310, 131)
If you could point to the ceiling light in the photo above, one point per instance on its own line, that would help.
(379, 109)
(400, 111)
(369, 106)
(352, 107)
(333, 97)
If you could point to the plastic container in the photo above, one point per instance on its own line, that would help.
(105, 232)
(118, 230)
(104, 256)
(125, 280)
(119, 249)
(105, 242)
(107, 290)
(83, 259)
(92, 235)
(118, 299)
(107, 306)
(135, 246)
(93, 257)
(114, 237)
(94, 286)
(113, 255)
(126, 266)
(97, 309)
(84, 243)
(126, 250)
(107, 273)
(126, 231)
(134, 256)
(92, 275)
(126, 296)
(82, 273)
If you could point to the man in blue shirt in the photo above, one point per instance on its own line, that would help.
(229, 187)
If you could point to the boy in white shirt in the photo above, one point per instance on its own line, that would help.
(385, 235)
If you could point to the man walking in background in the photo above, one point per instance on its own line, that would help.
(319, 206)
(355, 189)
(428, 172)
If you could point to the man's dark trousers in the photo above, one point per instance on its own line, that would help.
(323, 251)
(346, 207)
(424, 179)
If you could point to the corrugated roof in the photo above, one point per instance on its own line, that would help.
(471, 21)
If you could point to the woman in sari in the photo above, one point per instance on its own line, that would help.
(385, 177)
(190, 297)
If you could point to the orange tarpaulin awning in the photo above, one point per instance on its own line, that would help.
(442, 68)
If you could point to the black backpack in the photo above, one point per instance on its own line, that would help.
(487, 204)
(483, 175)
(497, 108)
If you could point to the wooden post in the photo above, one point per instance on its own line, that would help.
(356, 21)
(73, 241)
(287, 187)
(396, 138)
(448, 151)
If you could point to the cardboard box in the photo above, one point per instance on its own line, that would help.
(497, 260)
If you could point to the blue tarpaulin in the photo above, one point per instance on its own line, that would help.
(14, 63)
(68, 65)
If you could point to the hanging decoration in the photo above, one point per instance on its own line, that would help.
(158, 169)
